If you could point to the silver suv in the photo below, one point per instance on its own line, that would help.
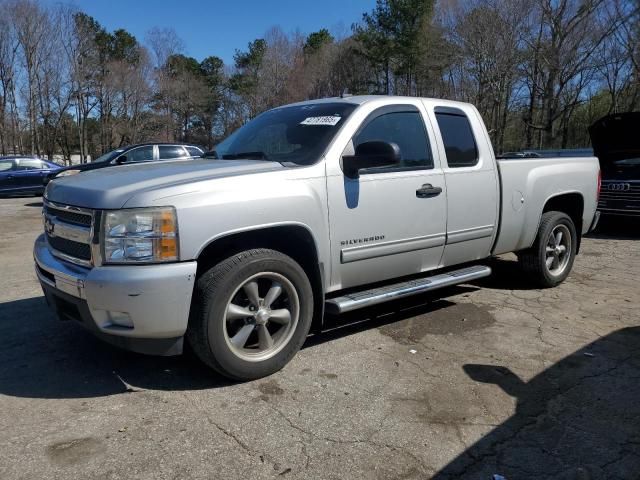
(141, 153)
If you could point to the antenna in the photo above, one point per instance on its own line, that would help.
(345, 93)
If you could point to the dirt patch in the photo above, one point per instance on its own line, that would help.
(270, 387)
(74, 451)
(456, 319)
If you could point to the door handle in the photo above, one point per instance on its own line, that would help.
(427, 191)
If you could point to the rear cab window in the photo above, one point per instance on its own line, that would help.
(459, 142)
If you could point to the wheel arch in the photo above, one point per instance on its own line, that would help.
(293, 239)
(571, 204)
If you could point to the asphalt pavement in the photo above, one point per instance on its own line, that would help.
(495, 377)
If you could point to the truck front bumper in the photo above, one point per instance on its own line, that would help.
(143, 308)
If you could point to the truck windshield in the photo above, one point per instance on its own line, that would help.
(297, 134)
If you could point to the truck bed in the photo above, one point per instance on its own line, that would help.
(527, 184)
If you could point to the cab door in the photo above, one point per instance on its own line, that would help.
(472, 184)
(391, 221)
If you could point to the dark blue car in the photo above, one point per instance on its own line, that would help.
(21, 175)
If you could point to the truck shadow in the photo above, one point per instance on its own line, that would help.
(42, 357)
(579, 418)
(506, 275)
(617, 228)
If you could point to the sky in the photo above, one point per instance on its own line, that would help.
(220, 27)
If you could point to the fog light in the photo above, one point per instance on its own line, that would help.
(120, 319)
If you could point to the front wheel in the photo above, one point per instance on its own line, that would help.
(550, 258)
(251, 314)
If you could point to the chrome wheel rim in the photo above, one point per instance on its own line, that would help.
(558, 250)
(261, 316)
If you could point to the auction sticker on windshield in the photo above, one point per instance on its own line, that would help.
(328, 120)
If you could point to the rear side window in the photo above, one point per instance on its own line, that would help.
(194, 151)
(406, 129)
(5, 165)
(168, 152)
(459, 143)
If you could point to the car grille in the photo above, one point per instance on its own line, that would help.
(68, 232)
(620, 196)
(69, 216)
(78, 250)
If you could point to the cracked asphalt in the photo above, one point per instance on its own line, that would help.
(488, 378)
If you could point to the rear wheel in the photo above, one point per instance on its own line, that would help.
(550, 258)
(251, 314)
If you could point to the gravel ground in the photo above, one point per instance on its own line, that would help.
(492, 377)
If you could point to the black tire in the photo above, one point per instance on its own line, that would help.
(534, 259)
(207, 334)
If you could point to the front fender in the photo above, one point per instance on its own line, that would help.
(243, 204)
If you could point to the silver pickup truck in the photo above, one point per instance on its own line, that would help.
(328, 205)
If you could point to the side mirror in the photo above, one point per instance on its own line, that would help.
(371, 155)
(121, 159)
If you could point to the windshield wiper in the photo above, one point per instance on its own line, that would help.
(247, 155)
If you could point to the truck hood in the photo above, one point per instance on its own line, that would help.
(110, 188)
(616, 143)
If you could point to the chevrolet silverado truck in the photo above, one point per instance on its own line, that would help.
(322, 206)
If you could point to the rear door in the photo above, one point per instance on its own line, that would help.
(7, 174)
(382, 226)
(30, 174)
(472, 184)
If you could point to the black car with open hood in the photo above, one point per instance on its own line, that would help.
(616, 143)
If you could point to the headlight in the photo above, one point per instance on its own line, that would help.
(147, 235)
(66, 173)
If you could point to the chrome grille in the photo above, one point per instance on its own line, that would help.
(69, 216)
(71, 248)
(69, 232)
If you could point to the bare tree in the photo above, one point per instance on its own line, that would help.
(31, 23)
(163, 43)
(492, 61)
(9, 121)
(539, 71)
(565, 39)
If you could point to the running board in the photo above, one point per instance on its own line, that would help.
(367, 298)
